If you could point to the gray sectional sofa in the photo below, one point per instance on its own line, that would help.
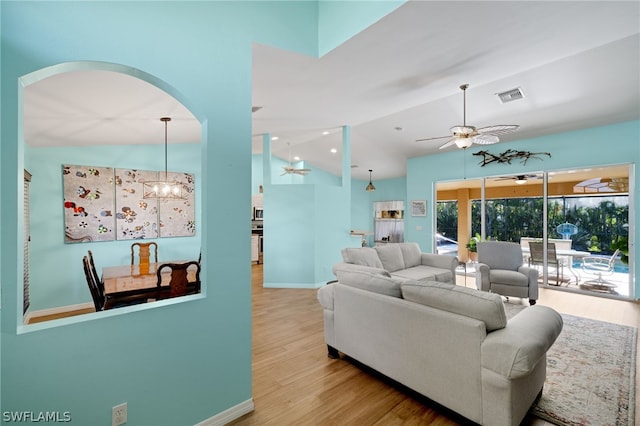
(401, 260)
(451, 344)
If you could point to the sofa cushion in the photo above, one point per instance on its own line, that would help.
(366, 256)
(411, 254)
(425, 273)
(391, 257)
(354, 267)
(367, 280)
(503, 276)
(480, 305)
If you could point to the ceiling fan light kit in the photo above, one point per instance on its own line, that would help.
(463, 142)
(463, 136)
(163, 189)
(521, 180)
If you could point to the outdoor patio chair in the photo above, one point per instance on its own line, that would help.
(536, 257)
(599, 266)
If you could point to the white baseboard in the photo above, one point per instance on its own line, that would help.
(54, 311)
(294, 285)
(229, 415)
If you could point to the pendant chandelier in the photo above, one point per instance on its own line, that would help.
(163, 189)
(370, 187)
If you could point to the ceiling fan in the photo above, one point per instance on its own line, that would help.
(520, 179)
(464, 136)
(290, 170)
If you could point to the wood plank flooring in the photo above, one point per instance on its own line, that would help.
(295, 383)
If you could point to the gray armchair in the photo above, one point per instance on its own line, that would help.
(500, 270)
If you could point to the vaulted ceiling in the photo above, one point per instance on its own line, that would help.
(577, 64)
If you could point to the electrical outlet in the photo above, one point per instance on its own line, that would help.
(119, 414)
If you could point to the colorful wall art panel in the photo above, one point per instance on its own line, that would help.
(88, 203)
(177, 217)
(106, 204)
(136, 218)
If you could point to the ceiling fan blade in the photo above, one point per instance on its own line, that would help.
(447, 144)
(485, 139)
(499, 129)
(433, 139)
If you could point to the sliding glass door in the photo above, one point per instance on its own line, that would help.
(572, 225)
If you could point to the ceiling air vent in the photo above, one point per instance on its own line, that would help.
(510, 95)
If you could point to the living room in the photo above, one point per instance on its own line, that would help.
(218, 377)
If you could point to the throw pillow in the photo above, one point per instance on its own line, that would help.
(391, 257)
(411, 254)
(366, 256)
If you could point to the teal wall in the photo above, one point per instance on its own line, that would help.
(307, 220)
(68, 286)
(606, 145)
(183, 362)
(341, 20)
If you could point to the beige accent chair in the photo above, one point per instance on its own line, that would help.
(500, 270)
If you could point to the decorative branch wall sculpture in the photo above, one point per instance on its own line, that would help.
(508, 155)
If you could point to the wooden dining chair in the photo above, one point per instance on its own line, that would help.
(98, 298)
(179, 284)
(144, 253)
(94, 271)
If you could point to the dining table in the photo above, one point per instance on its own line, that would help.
(142, 279)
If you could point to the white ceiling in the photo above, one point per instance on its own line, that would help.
(578, 64)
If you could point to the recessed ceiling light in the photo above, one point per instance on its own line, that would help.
(333, 150)
(274, 138)
(296, 158)
(326, 132)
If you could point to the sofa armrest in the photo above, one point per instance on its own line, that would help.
(482, 277)
(325, 296)
(532, 275)
(514, 351)
(440, 261)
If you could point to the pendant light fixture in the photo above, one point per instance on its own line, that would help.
(163, 189)
(370, 187)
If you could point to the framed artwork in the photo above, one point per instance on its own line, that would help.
(88, 203)
(418, 208)
(136, 218)
(177, 217)
(106, 204)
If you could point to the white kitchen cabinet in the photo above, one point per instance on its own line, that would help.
(255, 248)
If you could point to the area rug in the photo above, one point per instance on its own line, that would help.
(591, 371)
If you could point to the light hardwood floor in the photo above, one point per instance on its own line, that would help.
(294, 383)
